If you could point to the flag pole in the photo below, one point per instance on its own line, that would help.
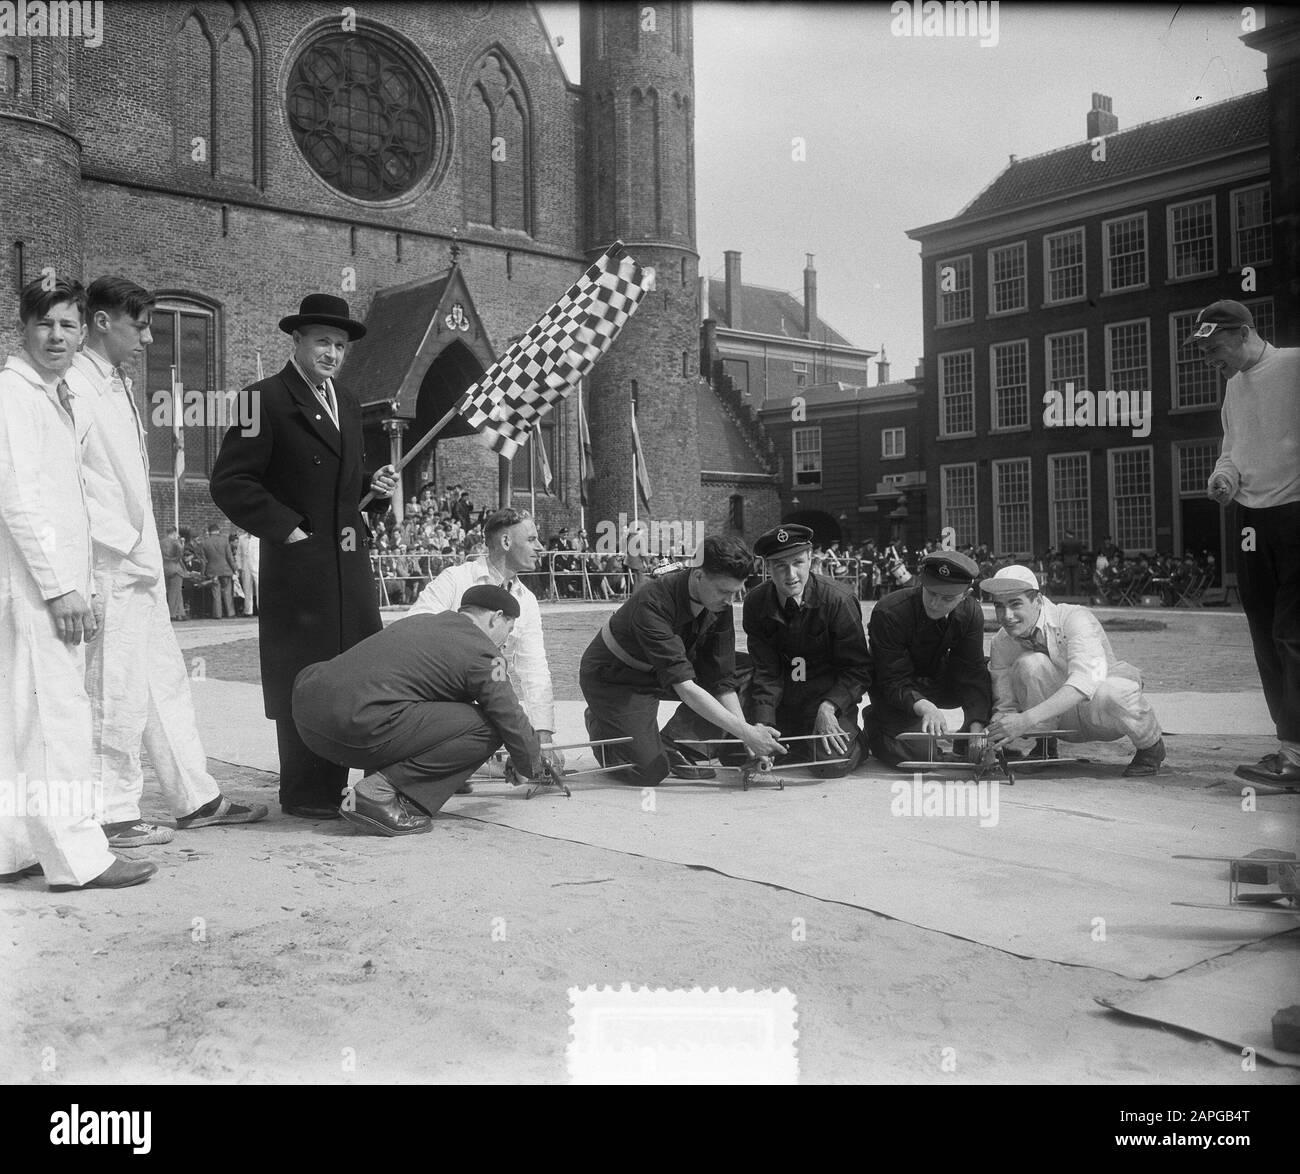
(532, 469)
(176, 418)
(414, 451)
(582, 467)
(635, 495)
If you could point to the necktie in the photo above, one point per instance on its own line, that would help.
(791, 610)
(65, 398)
(323, 394)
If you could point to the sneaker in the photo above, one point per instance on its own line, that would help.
(1146, 762)
(137, 834)
(221, 811)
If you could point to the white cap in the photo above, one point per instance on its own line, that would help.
(1010, 580)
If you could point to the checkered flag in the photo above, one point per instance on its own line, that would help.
(543, 366)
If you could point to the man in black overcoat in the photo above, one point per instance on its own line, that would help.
(295, 478)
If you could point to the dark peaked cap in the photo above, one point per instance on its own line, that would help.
(491, 598)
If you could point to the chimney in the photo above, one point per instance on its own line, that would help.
(809, 297)
(702, 294)
(919, 373)
(882, 367)
(1100, 120)
(732, 296)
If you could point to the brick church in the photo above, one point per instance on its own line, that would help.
(430, 163)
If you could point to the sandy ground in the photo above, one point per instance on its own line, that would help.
(293, 952)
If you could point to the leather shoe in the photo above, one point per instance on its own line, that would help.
(1146, 762)
(311, 812)
(11, 878)
(118, 875)
(394, 818)
(680, 767)
(1272, 768)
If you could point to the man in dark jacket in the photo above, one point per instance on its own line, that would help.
(218, 566)
(927, 651)
(675, 639)
(809, 653)
(295, 478)
(419, 707)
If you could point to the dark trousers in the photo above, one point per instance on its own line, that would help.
(883, 724)
(223, 595)
(428, 752)
(1269, 581)
(306, 779)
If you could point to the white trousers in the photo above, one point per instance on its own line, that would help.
(1117, 709)
(49, 794)
(140, 694)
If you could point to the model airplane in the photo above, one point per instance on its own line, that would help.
(990, 758)
(754, 770)
(1279, 870)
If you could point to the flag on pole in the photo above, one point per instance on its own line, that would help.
(548, 482)
(638, 459)
(543, 366)
(586, 470)
(178, 433)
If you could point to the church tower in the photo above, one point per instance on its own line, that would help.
(638, 80)
(40, 181)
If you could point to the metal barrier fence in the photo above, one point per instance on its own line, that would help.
(590, 575)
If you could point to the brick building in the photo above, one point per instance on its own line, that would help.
(432, 164)
(1069, 284)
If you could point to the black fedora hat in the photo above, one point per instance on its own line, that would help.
(327, 310)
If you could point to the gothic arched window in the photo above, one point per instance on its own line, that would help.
(364, 115)
(497, 146)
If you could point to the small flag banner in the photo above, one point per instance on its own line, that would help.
(542, 367)
(178, 432)
(548, 482)
(638, 457)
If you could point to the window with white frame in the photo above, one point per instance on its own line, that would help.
(1009, 370)
(1252, 226)
(957, 501)
(800, 367)
(1196, 385)
(1132, 504)
(807, 457)
(1008, 285)
(957, 393)
(1068, 491)
(1261, 309)
(1195, 462)
(1012, 516)
(893, 442)
(1063, 257)
(1067, 360)
(893, 479)
(1125, 243)
(1128, 357)
(954, 287)
(1191, 238)
(184, 344)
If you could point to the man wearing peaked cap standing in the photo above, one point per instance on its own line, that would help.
(808, 651)
(927, 649)
(1259, 470)
(295, 479)
(419, 706)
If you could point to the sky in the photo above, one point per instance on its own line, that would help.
(901, 132)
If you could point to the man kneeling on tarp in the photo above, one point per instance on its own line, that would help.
(927, 646)
(419, 707)
(1053, 667)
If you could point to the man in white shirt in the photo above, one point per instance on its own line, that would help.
(49, 793)
(135, 672)
(513, 548)
(1259, 469)
(1053, 668)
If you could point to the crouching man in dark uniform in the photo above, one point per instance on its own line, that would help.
(927, 651)
(419, 707)
(673, 639)
(809, 652)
